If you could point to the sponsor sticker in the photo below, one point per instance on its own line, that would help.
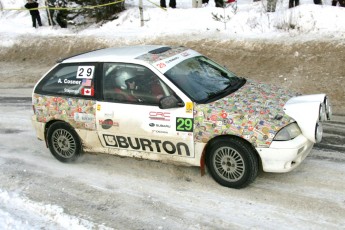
(148, 145)
(189, 107)
(87, 91)
(170, 61)
(84, 117)
(185, 54)
(90, 125)
(109, 114)
(71, 91)
(159, 125)
(161, 65)
(161, 116)
(85, 72)
(160, 131)
(184, 124)
(108, 123)
(69, 82)
(86, 82)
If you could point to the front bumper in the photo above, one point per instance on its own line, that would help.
(284, 156)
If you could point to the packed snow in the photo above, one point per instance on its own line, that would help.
(250, 20)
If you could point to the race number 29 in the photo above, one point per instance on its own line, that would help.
(184, 124)
(85, 72)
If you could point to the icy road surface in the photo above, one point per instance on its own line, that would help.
(110, 192)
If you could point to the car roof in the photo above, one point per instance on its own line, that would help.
(111, 54)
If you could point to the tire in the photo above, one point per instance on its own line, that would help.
(63, 142)
(232, 162)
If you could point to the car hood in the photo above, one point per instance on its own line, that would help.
(255, 112)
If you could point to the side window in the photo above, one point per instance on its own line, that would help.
(75, 79)
(129, 83)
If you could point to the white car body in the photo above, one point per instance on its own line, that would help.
(149, 132)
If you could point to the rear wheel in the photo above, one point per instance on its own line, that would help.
(63, 142)
(232, 162)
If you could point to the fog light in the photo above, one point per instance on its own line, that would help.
(328, 108)
(329, 112)
(322, 112)
(318, 132)
(300, 150)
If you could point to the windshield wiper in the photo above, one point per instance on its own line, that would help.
(211, 96)
(237, 82)
(231, 87)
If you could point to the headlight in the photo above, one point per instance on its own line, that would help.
(318, 132)
(287, 133)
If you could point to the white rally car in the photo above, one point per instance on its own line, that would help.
(172, 104)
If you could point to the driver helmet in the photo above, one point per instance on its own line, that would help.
(122, 76)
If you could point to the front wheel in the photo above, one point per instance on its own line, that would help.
(232, 162)
(63, 142)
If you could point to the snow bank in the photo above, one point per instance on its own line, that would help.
(31, 214)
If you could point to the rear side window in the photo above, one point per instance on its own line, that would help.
(69, 80)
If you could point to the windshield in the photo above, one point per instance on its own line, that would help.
(203, 80)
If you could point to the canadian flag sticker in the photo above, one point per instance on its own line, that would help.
(87, 91)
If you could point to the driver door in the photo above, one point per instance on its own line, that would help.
(139, 127)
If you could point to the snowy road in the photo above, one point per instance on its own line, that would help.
(109, 192)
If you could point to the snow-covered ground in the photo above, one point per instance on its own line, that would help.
(108, 192)
(307, 21)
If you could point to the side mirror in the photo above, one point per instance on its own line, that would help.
(170, 102)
